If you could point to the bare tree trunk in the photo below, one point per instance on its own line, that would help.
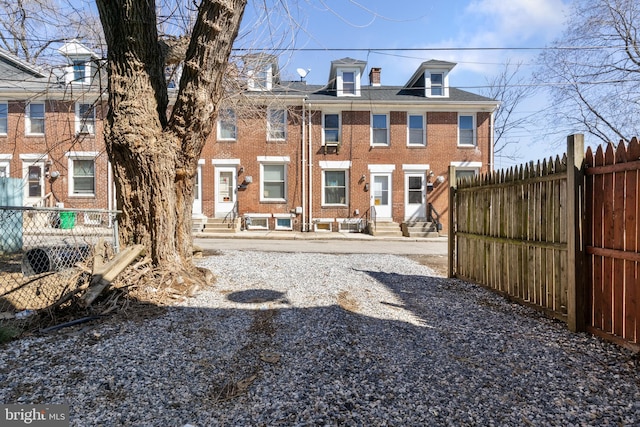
(155, 159)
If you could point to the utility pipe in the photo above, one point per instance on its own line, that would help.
(304, 169)
(310, 171)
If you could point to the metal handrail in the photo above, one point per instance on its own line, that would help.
(234, 215)
(435, 219)
(372, 216)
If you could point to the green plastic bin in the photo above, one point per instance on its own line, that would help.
(67, 220)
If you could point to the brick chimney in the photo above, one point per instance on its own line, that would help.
(374, 76)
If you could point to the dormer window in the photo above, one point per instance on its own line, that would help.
(348, 82)
(431, 79)
(260, 78)
(79, 71)
(80, 59)
(437, 84)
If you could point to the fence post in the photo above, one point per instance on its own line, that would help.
(452, 226)
(575, 250)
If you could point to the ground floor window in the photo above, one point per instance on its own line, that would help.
(274, 182)
(334, 187)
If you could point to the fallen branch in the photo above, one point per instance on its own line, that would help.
(105, 274)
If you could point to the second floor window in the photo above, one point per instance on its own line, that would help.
(331, 129)
(416, 129)
(466, 130)
(379, 129)
(276, 125)
(35, 118)
(227, 125)
(85, 119)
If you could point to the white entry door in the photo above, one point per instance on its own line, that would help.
(197, 192)
(381, 195)
(415, 196)
(225, 187)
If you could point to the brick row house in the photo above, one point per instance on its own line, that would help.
(351, 155)
(51, 131)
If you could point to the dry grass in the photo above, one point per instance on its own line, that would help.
(347, 302)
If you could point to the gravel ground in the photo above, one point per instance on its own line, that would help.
(318, 339)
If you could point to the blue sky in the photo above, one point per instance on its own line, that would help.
(455, 26)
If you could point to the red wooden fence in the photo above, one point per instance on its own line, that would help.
(612, 237)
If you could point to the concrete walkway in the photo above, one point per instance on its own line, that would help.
(312, 235)
(342, 243)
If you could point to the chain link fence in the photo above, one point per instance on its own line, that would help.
(46, 256)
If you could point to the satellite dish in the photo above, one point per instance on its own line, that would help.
(303, 73)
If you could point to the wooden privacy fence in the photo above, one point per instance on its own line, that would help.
(612, 238)
(560, 235)
(512, 232)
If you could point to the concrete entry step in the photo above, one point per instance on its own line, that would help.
(419, 229)
(385, 229)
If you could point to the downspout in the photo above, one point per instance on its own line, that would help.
(304, 169)
(492, 142)
(310, 225)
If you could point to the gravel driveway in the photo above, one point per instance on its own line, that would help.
(321, 339)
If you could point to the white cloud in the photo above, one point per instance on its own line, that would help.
(519, 20)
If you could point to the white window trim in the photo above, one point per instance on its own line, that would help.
(262, 218)
(445, 84)
(475, 140)
(5, 160)
(424, 129)
(381, 168)
(339, 114)
(225, 162)
(335, 164)
(274, 160)
(415, 168)
(81, 155)
(283, 216)
(388, 143)
(27, 118)
(219, 127)
(92, 128)
(6, 104)
(467, 165)
(346, 185)
(339, 81)
(269, 138)
(325, 222)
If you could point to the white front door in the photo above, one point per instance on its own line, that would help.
(197, 193)
(381, 195)
(225, 188)
(415, 196)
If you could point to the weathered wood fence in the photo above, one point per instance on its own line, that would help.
(560, 235)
